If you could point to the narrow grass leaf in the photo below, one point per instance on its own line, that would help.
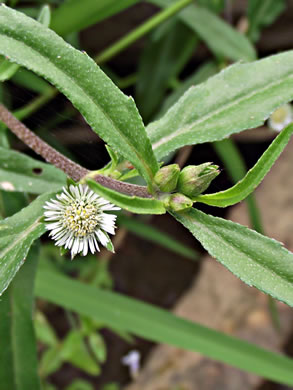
(219, 36)
(236, 169)
(261, 14)
(168, 49)
(75, 15)
(31, 81)
(147, 321)
(18, 349)
(153, 234)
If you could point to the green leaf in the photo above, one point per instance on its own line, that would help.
(220, 37)
(75, 15)
(201, 74)
(215, 6)
(31, 81)
(253, 177)
(108, 111)
(236, 169)
(21, 173)
(232, 158)
(168, 50)
(261, 14)
(18, 350)
(7, 69)
(238, 98)
(44, 331)
(12, 201)
(145, 320)
(51, 361)
(98, 347)
(152, 234)
(74, 350)
(257, 260)
(134, 204)
(45, 16)
(17, 233)
(80, 384)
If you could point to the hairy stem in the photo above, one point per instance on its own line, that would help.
(51, 155)
(73, 170)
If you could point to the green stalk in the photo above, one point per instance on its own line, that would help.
(139, 32)
(35, 104)
(126, 82)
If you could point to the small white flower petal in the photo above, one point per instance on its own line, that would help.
(77, 220)
(85, 247)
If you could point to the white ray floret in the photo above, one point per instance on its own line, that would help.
(78, 220)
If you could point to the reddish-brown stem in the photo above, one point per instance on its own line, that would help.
(73, 170)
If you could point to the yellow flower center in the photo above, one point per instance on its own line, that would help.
(81, 218)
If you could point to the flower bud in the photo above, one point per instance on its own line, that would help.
(195, 179)
(166, 178)
(179, 202)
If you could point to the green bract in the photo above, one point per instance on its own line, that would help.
(195, 179)
(135, 204)
(179, 202)
(166, 178)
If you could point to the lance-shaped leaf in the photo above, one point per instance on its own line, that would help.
(18, 350)
(155, 324)
(201, 74)
(257, 260)
(75, 15)
(240, 97)
(167, 52)
(261, 14)
(17, 233)
(218, 35)
(21, 173)
(108, 111)
(134, 204)
(253, 177)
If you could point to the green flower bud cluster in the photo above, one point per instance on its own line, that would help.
(167, 177)
(183, 186)
(195, 179)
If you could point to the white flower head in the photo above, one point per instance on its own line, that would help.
(280, 118)
(78, 220)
